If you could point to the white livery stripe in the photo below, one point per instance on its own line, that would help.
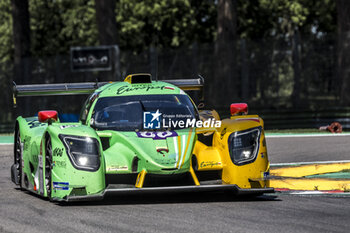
(176, 150)
(183, 145)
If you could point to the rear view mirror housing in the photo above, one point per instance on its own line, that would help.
(237, 108)
(47, 116)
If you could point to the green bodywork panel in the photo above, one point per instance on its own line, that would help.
(124, 148)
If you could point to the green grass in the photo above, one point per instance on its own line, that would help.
(333, 175)
(6, 139)
(6, 134)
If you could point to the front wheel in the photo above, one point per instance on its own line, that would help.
(18, 157)
(48, 166)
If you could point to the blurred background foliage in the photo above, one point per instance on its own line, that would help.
(273, 54)
(58, 24)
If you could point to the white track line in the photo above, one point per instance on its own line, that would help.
(311, 193)
(307, 163)
(306, 135)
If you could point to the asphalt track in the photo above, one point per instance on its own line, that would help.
(205, 212)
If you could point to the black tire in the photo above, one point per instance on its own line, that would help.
(18, 156)
(48, 166)
(194, 163)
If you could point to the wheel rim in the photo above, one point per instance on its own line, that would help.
(18, 155)
(48, 166)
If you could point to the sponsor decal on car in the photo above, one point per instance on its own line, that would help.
(61, 185)
(209, 164)
(58, 152)
(266, 174)
(35, 123)
(26, 142)
(68, 126)
(165, 161)
(156, 135)
(118, 168)
(61, 164)
(126, 89)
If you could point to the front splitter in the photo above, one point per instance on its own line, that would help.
(111, 191)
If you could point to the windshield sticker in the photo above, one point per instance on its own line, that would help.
(157, 135)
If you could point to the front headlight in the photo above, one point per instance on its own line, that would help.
(244, 145)
(83, 152)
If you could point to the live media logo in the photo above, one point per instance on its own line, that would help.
(152, 120)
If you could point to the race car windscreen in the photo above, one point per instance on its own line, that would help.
(126, 113)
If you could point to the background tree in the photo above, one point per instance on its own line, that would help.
(343, 9)
(226, 40)
(166, 24)
(106, 21)
(21, 38)
(58, 25)
(6, 39)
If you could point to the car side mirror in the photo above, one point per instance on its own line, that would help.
(47, 116)
(239, 108)
(92, 123)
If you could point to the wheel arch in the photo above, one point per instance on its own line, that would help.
(14, 140)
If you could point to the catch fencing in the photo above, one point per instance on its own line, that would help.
(279, 78)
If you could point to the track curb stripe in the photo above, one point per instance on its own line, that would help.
(308, 169)
(313, 192)
(272, 135)
(310, 184)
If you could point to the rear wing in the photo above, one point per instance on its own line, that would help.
(188, 84)
(56, 89)
(90, 87)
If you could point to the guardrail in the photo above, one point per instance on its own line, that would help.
(308, 119)
(7, 127)
(275, 120)
(299, 119)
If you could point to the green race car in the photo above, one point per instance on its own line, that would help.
(137, 136)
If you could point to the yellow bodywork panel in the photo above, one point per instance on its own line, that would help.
(129, 78)
(217, 156)
(194, 177)
(140, 179)
(208, 158)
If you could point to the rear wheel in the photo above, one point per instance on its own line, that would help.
(18, 157)
(48, 166)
